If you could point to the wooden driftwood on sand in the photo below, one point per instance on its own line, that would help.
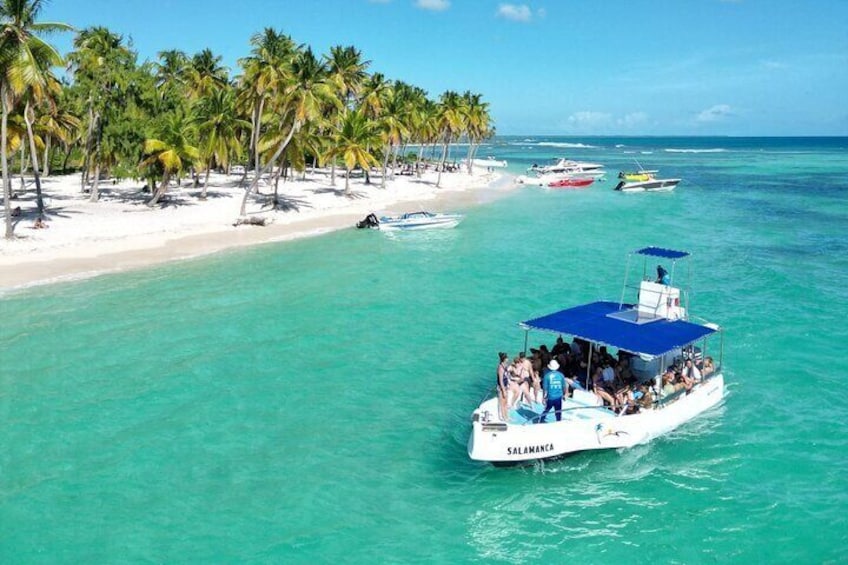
(251, 221)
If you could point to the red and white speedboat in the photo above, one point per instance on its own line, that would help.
(569, 182)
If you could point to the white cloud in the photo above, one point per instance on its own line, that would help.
(589, 121)
(714, 114)
(435, 5)
(541, 12)
(515, 12)
(633, 120)
(773, 65)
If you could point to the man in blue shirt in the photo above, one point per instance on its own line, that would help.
(554, 387)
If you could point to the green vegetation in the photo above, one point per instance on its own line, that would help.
(284, 108)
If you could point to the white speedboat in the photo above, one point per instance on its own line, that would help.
(652, 335)
(569, 167)
(411, 221)
(644, 181)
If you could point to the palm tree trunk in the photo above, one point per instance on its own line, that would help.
(418, 161)
(385, 165)
(333, 173)
(347, 183)
(470, 155)
(23, 168)
(256, 131)
(444, 158)
(39, 199)
(95, 186)
(206, 180)
(157, 194)
(255, 184)
(68, 148)
(4, 162)
(46, 161)
(86, 161)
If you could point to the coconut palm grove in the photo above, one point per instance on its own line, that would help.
(101, 111)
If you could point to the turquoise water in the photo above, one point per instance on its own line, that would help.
(309, 401)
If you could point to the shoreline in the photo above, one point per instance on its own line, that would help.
(29, 261)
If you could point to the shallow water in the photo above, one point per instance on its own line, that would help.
(309, 401)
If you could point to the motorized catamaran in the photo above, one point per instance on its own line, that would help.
(655, 332)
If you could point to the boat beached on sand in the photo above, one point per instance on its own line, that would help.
(420, 220)
(654, 336)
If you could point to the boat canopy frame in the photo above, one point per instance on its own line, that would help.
(661, 253)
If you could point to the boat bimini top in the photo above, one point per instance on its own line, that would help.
(598, 323)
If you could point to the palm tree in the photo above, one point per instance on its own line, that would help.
(347, 73)
(219, 127)
(476, 121)
(57, 123)
(301, 101)
(99, 64)
(170, 150)
(392, 122)
(267, 71)
(24, 61)
(203, 74)
(351, 141)
(450, 124)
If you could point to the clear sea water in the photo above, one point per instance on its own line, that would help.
(309, 401)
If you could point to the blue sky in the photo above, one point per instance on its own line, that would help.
(570, 67)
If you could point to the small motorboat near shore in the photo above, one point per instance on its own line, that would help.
(655, 341)
(420, 220)
(644, 181)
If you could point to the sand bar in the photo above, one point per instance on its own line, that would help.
(120, 232)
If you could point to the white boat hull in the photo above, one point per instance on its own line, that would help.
(545, 180)
(583, 428)
(445, 222)
(655, 185)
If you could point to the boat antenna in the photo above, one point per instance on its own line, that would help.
(638, 164)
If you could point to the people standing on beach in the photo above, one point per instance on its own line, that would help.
(554, 388)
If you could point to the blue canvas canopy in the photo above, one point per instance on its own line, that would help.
(660, 252)
(593, 323)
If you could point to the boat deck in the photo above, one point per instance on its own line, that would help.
(572, 410)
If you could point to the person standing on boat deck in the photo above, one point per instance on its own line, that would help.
(554, 387)
(535, 383)
(522, 381)
(503, 384)
(662, 276)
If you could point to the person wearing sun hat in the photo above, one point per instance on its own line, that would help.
(554, 388)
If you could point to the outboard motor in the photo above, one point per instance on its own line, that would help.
(370, 222)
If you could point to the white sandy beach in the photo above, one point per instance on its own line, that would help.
(122, 232)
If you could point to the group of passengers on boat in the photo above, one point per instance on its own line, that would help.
(611, 379)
